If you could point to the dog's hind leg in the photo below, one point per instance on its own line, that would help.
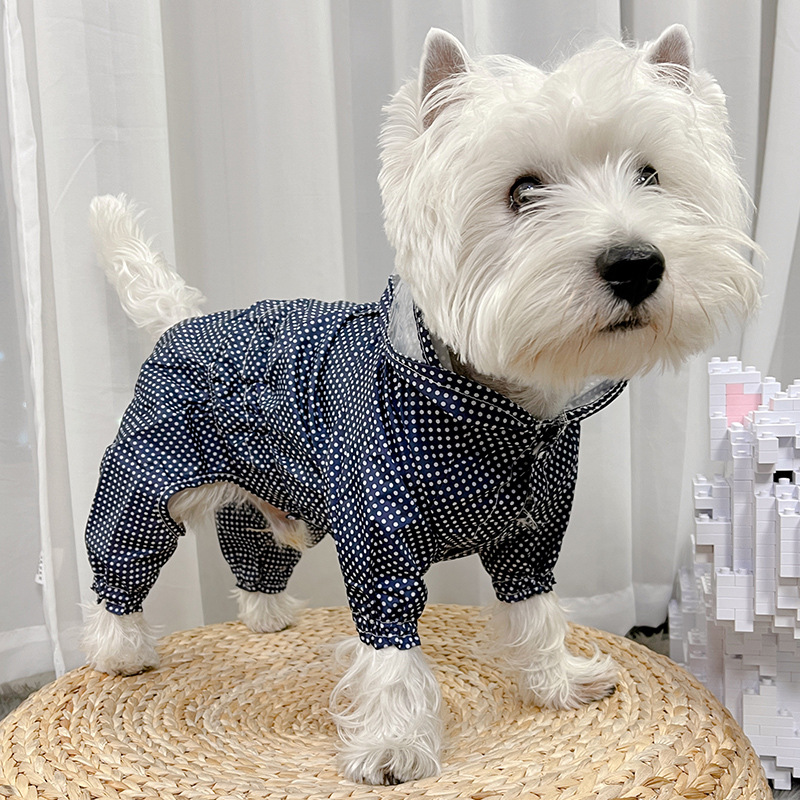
(265, 612)
(128, 543)
(118, 644)
(532, 633)
(261, 545)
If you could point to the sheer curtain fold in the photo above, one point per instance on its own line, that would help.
(33, 633)
(779, 207)
(103, 110)
(249, 130)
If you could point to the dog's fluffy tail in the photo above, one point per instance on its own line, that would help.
(152, 293)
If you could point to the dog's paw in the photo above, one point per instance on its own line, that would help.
(133, 665)
(385, 765)
(267, 613)
(118, 645)
(572, 682)
(386, 708)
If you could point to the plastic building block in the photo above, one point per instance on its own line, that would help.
(735, 617)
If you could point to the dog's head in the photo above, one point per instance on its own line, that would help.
(555, 226)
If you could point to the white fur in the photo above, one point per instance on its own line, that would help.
(513, 298)
(190, 506)
(126, 645)
(153, 295)
(118, 645)
(386, 709)
(531, 634)
(472, 263)
(267, 613)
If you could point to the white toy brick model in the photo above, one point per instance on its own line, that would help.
(735, 620)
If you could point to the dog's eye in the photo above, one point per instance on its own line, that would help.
(647, 176)
(525, 191)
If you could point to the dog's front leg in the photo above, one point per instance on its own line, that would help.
(386, 708)
(532, 634)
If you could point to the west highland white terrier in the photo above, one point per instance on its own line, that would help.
(556, 234)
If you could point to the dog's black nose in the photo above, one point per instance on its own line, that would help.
(632, 271)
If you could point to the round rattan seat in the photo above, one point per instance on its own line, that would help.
(233, 714)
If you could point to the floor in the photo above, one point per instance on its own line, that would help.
(12, 694)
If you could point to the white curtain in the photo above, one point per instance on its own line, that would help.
(249, 128)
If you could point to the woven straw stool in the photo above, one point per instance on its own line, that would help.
(232, 714)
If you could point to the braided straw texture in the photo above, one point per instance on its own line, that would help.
(233, 714)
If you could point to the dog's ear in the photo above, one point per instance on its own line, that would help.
(443, 57)
(673, 53)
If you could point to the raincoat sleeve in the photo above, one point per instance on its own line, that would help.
(384, 547)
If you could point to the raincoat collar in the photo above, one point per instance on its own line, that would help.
(411, 348)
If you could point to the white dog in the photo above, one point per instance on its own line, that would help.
(556, 234)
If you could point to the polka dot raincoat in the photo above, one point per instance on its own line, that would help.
(310, 407)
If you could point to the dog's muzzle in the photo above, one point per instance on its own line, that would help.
(632, 271)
